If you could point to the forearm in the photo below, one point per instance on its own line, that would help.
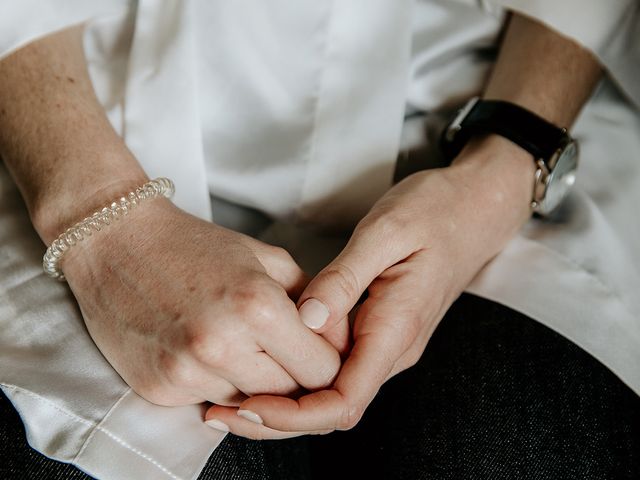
(55, 137)
(545, 73)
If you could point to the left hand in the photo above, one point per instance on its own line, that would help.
(415, 252)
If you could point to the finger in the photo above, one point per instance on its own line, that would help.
(182, 375)
(387, 325)
(227, 419)
(223, 393)
(370, 362)
(310, 360)
(420, 313)
(258, 373)
(332, 294)
(216, 389)
(340, 337)
(205, 386)
(281, 266)
(397, 302)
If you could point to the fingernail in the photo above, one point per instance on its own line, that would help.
(314, 313)
(251, 416)
(218, 425)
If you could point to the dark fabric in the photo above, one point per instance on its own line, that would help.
(496, 395)
(242, 459)
(18, 460)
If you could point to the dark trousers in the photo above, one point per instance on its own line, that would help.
(496, 395)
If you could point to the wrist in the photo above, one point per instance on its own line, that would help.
(68, 198)
(90, 259)
(498, 171)
(498, 176)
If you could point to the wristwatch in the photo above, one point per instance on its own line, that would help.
(554, 152)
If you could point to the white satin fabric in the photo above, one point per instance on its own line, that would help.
(295, 108)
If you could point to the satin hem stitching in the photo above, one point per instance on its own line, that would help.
(95, 426)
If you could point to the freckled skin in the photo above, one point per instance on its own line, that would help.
(159, 280)
(240, 334)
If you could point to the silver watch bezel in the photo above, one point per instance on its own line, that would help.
(544, 177)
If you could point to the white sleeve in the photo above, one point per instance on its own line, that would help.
(24, 21)
(610, 29)
(74, 406)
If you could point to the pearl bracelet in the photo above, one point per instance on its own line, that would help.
(100, 219)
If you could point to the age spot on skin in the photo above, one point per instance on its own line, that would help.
(220, 292)
(71, 80)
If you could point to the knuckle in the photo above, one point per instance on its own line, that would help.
(208, 347)
(281, 253)
(243, 296)
(256, 306)
(344, 279)
(174, 369)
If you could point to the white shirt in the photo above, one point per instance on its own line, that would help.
(296, 108)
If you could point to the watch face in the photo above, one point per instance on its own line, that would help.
(561, 178)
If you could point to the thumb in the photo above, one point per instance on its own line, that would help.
(330, 296)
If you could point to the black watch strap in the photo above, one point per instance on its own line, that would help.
(508, 120)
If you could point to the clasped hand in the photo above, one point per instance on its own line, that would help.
(414, 253)
(187, 311)
(190, 312)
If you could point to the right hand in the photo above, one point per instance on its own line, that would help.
(188, 311)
